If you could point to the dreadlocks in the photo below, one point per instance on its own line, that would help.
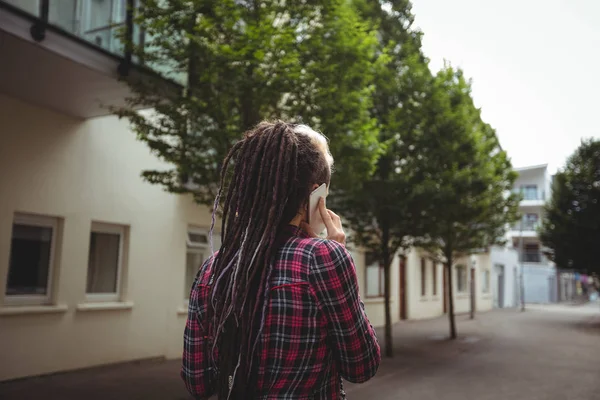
(275, 166)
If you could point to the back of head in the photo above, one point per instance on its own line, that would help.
(275, 166)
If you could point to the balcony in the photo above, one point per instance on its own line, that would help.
(531, 257)
(531, 197)
(66, 55)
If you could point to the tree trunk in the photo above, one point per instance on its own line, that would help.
(389, 342)
(386, 261)
(450, 297)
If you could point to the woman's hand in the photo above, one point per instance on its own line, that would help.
(332, 222)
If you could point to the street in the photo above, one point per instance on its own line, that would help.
(548, 352)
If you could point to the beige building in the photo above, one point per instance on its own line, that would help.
(96, 264)
(92, 259)
(418, 286)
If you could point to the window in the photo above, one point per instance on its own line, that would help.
(529, 192)
(531, 253)
(31, 259)
(198, 251)
(375, 282)
(434, 276)
(423, 276)
(105, 262)
(461, 278)
(486, 281)
(100, 23)
(530, 222)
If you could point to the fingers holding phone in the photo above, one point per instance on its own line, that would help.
(333, 223)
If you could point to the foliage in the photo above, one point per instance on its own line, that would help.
(415, 164)
(243, 61)
(572, 223)
(469, 178)
(384, 211)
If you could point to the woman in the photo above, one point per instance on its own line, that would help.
(275, 313)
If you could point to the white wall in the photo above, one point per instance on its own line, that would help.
(84, 171)
(430, 305)
(540, 283)
(509, 258)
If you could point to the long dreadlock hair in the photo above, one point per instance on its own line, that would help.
(275, 166)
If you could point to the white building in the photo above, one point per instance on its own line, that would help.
(539, 272)
(96, 264)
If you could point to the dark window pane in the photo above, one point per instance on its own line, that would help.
(198, 238)
(103, 263)
(29, 260)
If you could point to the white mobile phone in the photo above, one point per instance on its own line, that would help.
(314, 215)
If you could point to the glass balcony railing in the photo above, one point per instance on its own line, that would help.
(96, 21)
(531, 194)
(99, 22)
(531, 256)
(527, 226)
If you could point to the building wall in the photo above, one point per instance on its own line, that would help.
(482, 263)
(540, 283)
(509, 259)
(375, 306)
(84, 171)
(429, 305)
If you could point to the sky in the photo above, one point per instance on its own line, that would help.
(535, 66)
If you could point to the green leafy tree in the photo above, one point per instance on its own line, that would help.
(238, 62)
(470, 179)
(572, 223)
(384, 211)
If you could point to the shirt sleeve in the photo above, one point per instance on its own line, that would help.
(333, 278)
(197, 370)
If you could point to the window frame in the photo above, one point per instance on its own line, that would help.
(116, 20)
(381, 279)
(195, 248)
(44, 222)
(101, 227)
(526, 188)
(486, 284)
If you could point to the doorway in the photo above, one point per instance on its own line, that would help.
(499, 287)
(402, 289)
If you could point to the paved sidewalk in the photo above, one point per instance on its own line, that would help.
(546, 353)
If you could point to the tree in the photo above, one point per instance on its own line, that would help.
(470, 179)
(384, 211)
(238, 62)
(572, 223)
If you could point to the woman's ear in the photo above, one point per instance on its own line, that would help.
(314, 187)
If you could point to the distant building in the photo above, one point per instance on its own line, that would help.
(542, 282)
(419, 286)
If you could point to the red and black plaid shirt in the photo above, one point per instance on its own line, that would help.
(316, 331)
